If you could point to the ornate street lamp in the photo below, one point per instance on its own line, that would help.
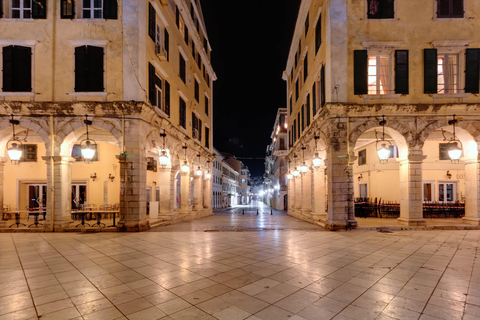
(199, 170)
(454, 151)
(163, 157)
(317, 161)
(296, 173)
(14, 146)
(185, 167)
(383, 151)
(289, 175)
(88, 146)
(208, 175)
(304, 167)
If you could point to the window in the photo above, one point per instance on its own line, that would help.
(26, 9)
(443, 151)
(89, 69)
(92, 9)
(305, 67)
(450, 9)
(29, 153)
(183, 67)
(307, 24)
(167, 97)
(362, 157)
(244, 180)
(207, 137)
(428, 191)
(380, 9)
(152, 21)
(180, 22)
(197, 91)
(183, 113)
(307, 106)
(318, 34)
(447, 73)
(194, 126)
(21, 9)
(207, 105)
(296, 90)
(67, 9)
(378, 74)
(303, 118)
(17, 69)
(167, 42)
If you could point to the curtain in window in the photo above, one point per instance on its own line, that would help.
(383, 88)
(373, 7)
(452, 74)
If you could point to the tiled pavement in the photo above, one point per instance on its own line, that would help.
(269, 275)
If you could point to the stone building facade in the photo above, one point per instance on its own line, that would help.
(397, 72)
(141, 72)
(276, 167)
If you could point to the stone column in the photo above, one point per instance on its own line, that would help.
(411, 202)
(2, 166)
(307, 193)
(197, 193)
(298, 193)
(61, 208)
(207, 193)
(291, 194)
(472, 192)
(133, 179)
(164, 210)
(318, 193)
(340, 185)
(185, 187)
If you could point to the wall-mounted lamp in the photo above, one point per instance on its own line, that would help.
(93, 176)
(449, 175)
(111, 177)
(360, 177)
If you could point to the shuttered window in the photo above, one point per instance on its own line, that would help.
(194, 125)
(182, 67)
(17, 69)
(303, 118)
(197, 91)
(152, 21)
(322, 87)
(39, 9)
(307, 24)
(110, 9)
(430, 71)
(305, 68)
(360, 72)
(318, 34)
(299, 124)
(1, 8)
(155, 88)
(200, 124)
(472, 68)
(296, 90)
(207, 137)
(67, 9)
(401, 72)
(307, 106)
(167, 98)
(167, 43)
(450, 9)
(314, 99)
(207, 105)
(89, 69)
(183, 113)
(381, 9)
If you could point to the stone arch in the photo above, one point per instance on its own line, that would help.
(6, 132)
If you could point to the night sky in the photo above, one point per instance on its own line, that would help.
(250, 45)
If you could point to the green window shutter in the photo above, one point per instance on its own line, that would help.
(22, 67)
(308, 109)
(152, 21)
(472, 69)
(167, 43)
(322, 85)
(81, 69)
(401, 72)
(1, 8)
(167, 97)
(152, 95)
(430, 71)
(7, 53)
(110, 9)
(39, 9)
(318, 34)
(95, 69)
(360, 72)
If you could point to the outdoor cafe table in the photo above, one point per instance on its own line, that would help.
(99, 213)
(17, 214)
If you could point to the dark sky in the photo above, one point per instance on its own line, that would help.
(250, 44)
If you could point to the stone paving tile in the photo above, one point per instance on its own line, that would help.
(284, 274)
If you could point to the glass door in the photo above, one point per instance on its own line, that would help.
(37, 195)
(447, 192)
(79, 195)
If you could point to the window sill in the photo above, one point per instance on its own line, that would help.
(368, 97)
(19, 19)
(449, 19)
(75, 95)
(462, 96)
(162, 113)
(31, 95)
(183, 129)
(89, 20)
(381, 19)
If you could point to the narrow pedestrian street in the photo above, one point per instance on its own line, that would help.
(255, 216)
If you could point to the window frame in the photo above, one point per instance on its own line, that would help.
(446, 74)
(367, 19)
(390, 75)
(92, 9)
(21, 9)
(362, 157)
(435, 12)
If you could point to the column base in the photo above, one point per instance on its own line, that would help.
(472, 221)
(319, 216)
(335, 225)
(412, 222)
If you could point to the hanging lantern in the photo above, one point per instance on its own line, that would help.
(14, 146)
(383, 151)
(163, 157)
(289, 176)
(185, 167)
(199, 170)
(208, 175)
(88, 146)
(304, 167)
(296, 173)
(317, 161)
(454, 150)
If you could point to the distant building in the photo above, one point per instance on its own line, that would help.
(217, 194)
(238, 166)
(276, 168)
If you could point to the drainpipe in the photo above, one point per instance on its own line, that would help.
(52, 172)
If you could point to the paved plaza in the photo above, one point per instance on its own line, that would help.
(211, 270)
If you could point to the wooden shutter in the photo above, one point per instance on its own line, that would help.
(199, 130)
(308, 109)
(81, 69)
(207, 105)
(430, 71)
(1, 8)
(387, 9)
(152, 21)
(95, 69)
(110, 8)
(457, 9)
(207, 137)
(322, 85)
(177, 17)
(401, 72)
(39, 9)
(443, 8)
(166, 93)
(7, 53)
(303, 118)
(182, 67)
(186, 36)
(67, 9)
(152, 94)
(314, 99)
(22, 68)
(318, 34)
(472, 69)
(299, 124)
(183, 113)
(305, 68)
(167, 43)
(360, 72)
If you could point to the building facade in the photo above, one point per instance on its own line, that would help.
(217, 196)
(139, 73)
(276, 167)
(245, 185)
(231, 195)
(404, 74)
